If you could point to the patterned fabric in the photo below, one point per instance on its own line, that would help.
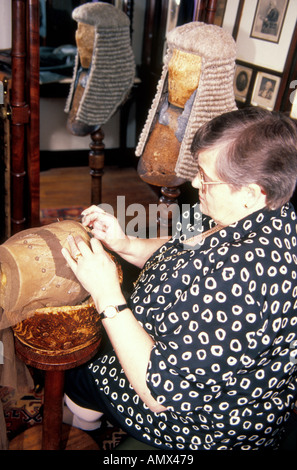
(224, 319)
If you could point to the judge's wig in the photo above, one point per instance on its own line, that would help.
(215, 93)
(112, 68)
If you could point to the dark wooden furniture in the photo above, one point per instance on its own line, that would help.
(54, 367)
(205, 10)
(25, 115)
(5, 196)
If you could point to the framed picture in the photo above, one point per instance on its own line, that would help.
(242, 79)
(268, 20)
(265, 90)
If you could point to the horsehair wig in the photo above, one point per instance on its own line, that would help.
(112, 69)
(215, 93)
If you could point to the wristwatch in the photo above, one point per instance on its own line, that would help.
(111, 310)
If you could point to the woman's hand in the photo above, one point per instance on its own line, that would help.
(106, 228)
(95, 270)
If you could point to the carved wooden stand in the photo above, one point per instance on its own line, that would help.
(55, 366)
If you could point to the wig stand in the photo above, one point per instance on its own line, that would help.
(96, 164)
(169, 209)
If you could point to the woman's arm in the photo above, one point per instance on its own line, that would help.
(138, 250)
(106, 228)
(98, 275)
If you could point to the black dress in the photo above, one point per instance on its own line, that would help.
(224, 320)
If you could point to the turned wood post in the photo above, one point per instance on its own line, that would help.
(205, 10)
(25, 166)
(53, 410)
(96, 164)
(168, 205)
(19, 115)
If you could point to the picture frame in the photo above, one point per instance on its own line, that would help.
(265, 90)
(269, 19)
(242, 80)
(238, 20)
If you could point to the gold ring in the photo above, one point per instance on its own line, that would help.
(77, 256)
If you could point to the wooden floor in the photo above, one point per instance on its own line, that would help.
(72, 439)
(69, 187)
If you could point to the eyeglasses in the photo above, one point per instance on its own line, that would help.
(204, 183)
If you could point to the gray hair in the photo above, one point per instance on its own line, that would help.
(255, 146)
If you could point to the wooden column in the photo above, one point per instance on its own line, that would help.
(210, 13)
(19, 115)
(33, 150)
(53, 410)
(205, 10)
(25, 115)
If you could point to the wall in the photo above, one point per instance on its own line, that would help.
(5, 24)
(260, 52)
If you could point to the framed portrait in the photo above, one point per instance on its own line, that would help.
(265, 90)
(268, 20)
(245, 18)
(242, 79)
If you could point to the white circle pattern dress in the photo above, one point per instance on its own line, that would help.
(224, 320)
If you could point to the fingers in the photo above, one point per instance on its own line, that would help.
(78, 249)
(91, 209)
(92, 214)
(96, 246)
(73, 255)
(74, 249)
(70, 261)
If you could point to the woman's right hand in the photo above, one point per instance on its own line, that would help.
(106, 228)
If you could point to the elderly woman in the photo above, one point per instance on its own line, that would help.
(202, 352)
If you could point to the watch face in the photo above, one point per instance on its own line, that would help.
(110, 312)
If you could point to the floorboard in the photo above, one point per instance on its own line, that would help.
(68, 187)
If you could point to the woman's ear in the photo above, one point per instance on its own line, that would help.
(255, 196)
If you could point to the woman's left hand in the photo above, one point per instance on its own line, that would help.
(94, 269)
(97, 273)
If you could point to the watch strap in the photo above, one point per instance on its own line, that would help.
(118, 308)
